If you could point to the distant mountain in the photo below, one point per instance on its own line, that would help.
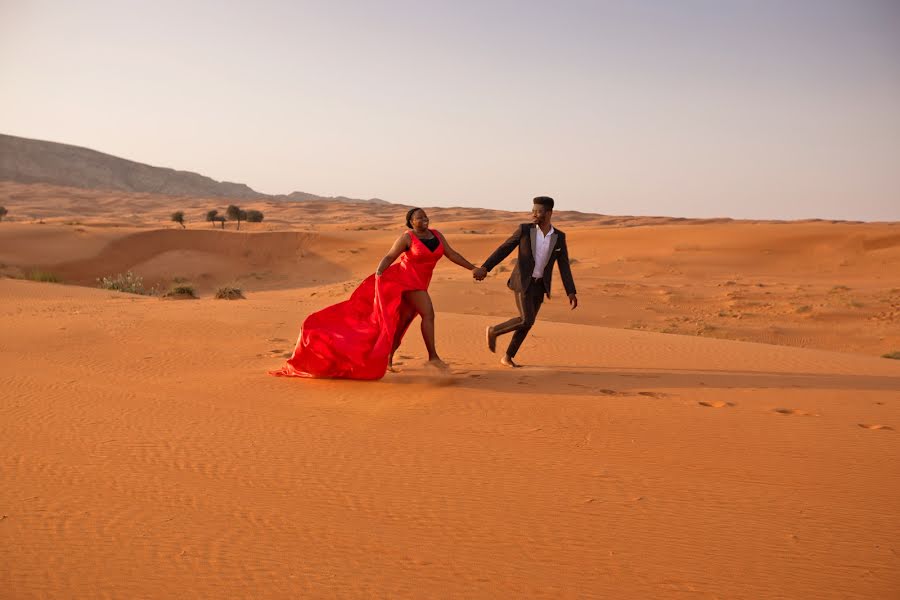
(34, 161)
(303, 196)
(24, 160)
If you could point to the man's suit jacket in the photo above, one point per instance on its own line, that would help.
(525, 238)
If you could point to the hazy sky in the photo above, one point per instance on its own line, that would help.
(759, 109)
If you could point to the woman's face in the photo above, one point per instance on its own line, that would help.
(419, 220)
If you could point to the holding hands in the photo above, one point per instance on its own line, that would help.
(479, 273)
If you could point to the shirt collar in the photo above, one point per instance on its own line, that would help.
(541, 233)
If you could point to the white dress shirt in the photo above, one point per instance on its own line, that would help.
(541, 251)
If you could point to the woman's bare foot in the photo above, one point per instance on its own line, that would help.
(437, 363)
(507, 361)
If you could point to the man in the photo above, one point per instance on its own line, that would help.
(540, 246)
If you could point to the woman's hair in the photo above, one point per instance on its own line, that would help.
(409, 215)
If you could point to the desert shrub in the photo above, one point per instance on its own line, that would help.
(895, 355)
(178, 217)
(128, 282)
(37, 275)
(3, 212)
(229, 293)
(254, 216)
(181, 290)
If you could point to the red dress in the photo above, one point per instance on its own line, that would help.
(353, 339)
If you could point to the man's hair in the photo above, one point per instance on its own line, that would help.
(409, 215)
(545, 201)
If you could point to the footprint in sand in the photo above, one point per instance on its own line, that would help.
(716, 404)
(276, 340)
(652, 394)
(875, 427)
(793, 411)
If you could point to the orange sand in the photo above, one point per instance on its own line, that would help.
(147, 453)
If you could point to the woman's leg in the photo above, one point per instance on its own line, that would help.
(421, 301)
(406, 316)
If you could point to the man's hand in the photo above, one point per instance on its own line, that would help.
(573, 300)
(479, 273)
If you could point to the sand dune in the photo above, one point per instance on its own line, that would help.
(623, 464)
(714, 421)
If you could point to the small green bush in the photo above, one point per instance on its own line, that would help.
(181, 291)
(229, 293)
(129, 283)
(44, 276)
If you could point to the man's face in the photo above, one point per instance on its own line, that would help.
(540, 214)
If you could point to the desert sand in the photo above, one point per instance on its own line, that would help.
(715, 420)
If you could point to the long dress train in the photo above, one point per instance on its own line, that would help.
(353, 339)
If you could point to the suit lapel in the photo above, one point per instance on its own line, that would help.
(533, 241)
(552, 246)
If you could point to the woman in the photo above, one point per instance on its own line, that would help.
(357, 338)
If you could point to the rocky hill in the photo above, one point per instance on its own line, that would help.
(24, 160)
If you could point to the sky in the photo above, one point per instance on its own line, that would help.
(695, 108)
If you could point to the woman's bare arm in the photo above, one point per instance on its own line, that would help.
(399, 247)
(453, 255)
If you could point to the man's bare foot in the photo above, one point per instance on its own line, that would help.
(491, 339)
(438, 364)
(507, 361)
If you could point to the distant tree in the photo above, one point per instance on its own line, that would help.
(254, 216)
(3, 212)
(214, 217)
(234, 213)
(178, 217)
